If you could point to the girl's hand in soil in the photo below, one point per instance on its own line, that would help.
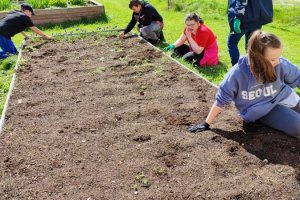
(199, 127)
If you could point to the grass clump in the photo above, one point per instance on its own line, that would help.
(8, 63)
(5, 4)
(38, 4)
(78, 2)
(58, 3)
(204, 8)
(41, 4)
(6, 71)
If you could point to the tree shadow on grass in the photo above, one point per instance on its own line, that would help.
(276, 147)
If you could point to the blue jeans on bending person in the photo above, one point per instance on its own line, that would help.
(284, 119)
(7, 47)
(232, 43)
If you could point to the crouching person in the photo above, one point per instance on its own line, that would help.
(202, 49)
(150, 21)
(260, 85)
(16, 22)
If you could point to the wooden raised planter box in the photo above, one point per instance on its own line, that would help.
(59, 15)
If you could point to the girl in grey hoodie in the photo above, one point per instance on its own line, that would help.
(260, 85)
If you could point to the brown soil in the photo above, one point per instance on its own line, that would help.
(103, 118)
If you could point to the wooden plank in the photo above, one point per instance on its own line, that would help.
(57, 20)
(66, 10)
(67, 13)
(44, 16)
(91, 13)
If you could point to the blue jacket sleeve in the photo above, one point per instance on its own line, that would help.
(240, 8)
(227, 91)
(291, 73)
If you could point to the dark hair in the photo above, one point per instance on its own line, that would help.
(25, 6)
(195, 17)
(260, 67)
(134, 3)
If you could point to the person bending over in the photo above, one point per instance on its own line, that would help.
(150, 21)
(202, 49)
(261, 86)
(16, 22)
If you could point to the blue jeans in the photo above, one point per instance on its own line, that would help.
(7, 47)
(232, 43)
(284, 119)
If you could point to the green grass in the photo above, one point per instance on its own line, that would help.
(289, 2)
(38, 4)
(42, 4)
(78, 2)
(286, 25)
(5, 4)
(58, 3)
(6, 71)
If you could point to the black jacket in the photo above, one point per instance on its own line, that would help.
(252, 13)
(14, 22)
(147, 15)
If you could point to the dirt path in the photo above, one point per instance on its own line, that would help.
(99, 118)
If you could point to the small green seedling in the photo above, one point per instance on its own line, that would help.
(100, 70)
(30, 48)
(158, 71)
(142, 179)
(143, 87)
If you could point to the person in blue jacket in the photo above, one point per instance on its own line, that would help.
(150, 21)
(261, 86)
(244, 17)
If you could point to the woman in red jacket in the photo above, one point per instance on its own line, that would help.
(202, 49)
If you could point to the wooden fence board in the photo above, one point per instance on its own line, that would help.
(45, 16)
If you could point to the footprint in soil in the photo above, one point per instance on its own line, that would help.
(50, 52)
(217, 139)
(142, 138)
(170, 161)
(233, 150)
(178, 120)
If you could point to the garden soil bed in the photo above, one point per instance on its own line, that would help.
(102, 118)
